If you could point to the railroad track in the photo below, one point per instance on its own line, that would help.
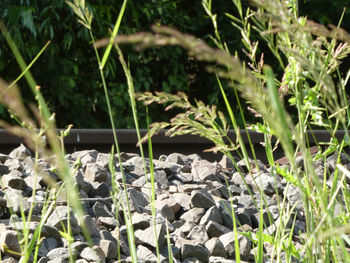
(102, 140)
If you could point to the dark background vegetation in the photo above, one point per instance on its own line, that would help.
(67, 71)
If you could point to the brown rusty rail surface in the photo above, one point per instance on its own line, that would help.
(102, 140)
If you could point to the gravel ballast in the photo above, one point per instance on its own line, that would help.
(193, 202)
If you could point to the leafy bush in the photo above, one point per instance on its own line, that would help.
(66, 70)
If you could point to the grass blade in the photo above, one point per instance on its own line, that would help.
(114, 34)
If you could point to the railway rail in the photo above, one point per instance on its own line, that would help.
(102, 140)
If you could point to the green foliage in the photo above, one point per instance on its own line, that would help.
(66, 71)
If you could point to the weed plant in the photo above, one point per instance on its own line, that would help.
(309, 56)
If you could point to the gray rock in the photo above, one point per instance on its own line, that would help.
(128, 178)
(193, 215)
(14, 164)
(216, 230)
(89, 157)
(185, 229)
(90, 225)
(175, 252)
(183, 199)
(331, 161)
(198, 214)
(147, 236)
(47, 178)
(299, 227)
(9, 241)
(47, 245)
(214, 259)
(194, 250)
(81, 182)
(58, 253)
(100, 189)
(199, 234)
(212, 214)
(244, 166)
(215, 192)
(124, 247)
(91, 154)
(215, 247)
(8, 259)
(33, 183)
(107, 235)
(78, 246)
(58, 260)
(96, 173)
(94, 254)
(189, 188)
(227, 163)
(14, 181)
(243, 216)
(271, 230)
(146, 255)
(20, 153)
(247, 201)
(109, 249)
(184, 177)
(140, 221)
(137, 200)
(299, 162)
(125, 156)
(4, 169)
(228, 240)
(29, 165)
(102, 160)
(166, 211)
(108, 222)
(243, 180)
(226, 213)
(202, 199)
(205, 171)
(101, 210)
(268, 184)
(50, 243)
(167, 167)
(63, 215)
(51, 232)
(16, 201)
(186, 168)
(167, 206)
(294, 196)
(177, 224)
(267, 221)
(194, 157)
(3, 157)
(191, 260)
(137, 163)
(178, 158)
(235, 190)
(220, 190)
(16, 224)
(160, 177)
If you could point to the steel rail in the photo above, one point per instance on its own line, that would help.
(102, 140)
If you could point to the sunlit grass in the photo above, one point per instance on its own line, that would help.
(309, 56)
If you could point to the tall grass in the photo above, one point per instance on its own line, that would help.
(309, 56)
(38, 134)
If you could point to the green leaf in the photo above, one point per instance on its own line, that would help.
(27, 21)
(114, 34)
